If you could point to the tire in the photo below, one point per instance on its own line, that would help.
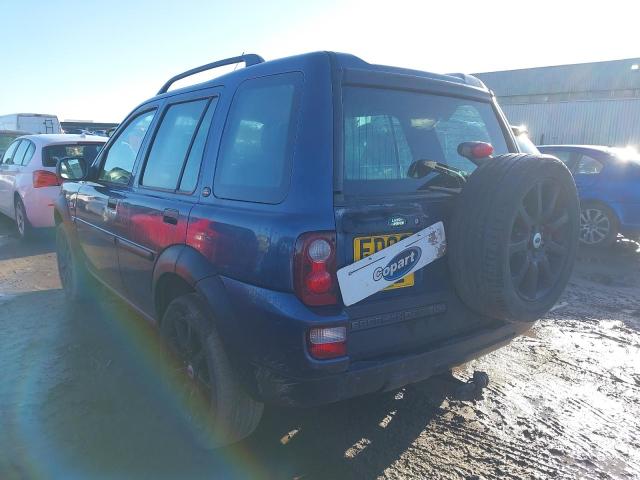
(227, 414)
(513, 236)
(73, 274)
(598, 225)
(22, 221)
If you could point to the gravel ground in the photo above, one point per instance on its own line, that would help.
(82, 395)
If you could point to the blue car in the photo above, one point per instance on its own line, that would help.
(314, 228)
(608, 181)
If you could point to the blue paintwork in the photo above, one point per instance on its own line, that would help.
(616, 186)
(238, 255)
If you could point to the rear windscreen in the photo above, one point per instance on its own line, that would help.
(53, 153)
(385, 131)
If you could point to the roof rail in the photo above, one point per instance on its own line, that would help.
(248, 59)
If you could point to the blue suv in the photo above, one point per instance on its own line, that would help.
(227, 212)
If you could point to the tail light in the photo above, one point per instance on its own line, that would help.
(328, 342)
(44, 178)
(314, 268)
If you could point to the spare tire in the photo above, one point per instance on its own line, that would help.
(513, 236)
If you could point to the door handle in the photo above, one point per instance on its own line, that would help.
(170, 216)
(112, 203)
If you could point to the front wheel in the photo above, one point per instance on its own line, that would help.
(223, 413)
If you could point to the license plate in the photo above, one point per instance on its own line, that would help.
(365, 246)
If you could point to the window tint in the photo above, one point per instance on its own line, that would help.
(122, 153)
(19, 155)
(254, 163)
(53, 153)
(28, 155)
(563, 155)
(385, 131)
(7, 158)
(588, 166)
(171, 143)
(192, 167)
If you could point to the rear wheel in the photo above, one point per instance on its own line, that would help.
(222, 412)
(513, 236)
(72, 271)
(598, 225)
(22, 221)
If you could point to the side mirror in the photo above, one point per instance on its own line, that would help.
(72, 168)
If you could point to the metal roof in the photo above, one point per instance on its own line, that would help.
(582, 77)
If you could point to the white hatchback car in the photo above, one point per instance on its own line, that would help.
(28, 181)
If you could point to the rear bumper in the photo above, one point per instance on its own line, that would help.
(377, 376)
(264, 333)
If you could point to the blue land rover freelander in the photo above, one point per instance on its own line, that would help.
(310, 229)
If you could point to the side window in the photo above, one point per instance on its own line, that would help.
(192, 167)
(7, 158)
(254, 163)
(20, 151)
(28, 155)
(588, 166)
(564, 156)
(119, 160)
(171, 144)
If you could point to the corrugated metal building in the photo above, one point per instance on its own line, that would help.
(590, 103)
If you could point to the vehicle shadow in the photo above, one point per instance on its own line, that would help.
(609, 279)
(42, 241)
(87, 394)
(358, 438)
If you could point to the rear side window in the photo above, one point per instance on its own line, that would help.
(173, 143)
(254, 163)
(52, 153)
(28, 155)
(588, 166)
(19, 155)
(385, 131)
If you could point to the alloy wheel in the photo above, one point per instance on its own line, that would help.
(63, 254)
(20, 218)
(540, 239)
(191, 351)
(595, 226)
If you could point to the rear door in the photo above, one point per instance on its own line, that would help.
(158, 206)
(586, 171)
(100, 219)
(384, 132)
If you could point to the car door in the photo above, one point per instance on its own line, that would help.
(99, 216)
(586, 171)
(164, 192)
(6, 192)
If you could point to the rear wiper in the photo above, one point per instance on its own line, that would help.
(421, 168)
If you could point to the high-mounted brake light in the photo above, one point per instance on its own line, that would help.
(314, 268)
(44, 178)
(327, 342)
(475, 150)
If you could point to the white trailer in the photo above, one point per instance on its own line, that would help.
(31, 122)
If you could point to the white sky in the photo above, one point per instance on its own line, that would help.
(133, 47)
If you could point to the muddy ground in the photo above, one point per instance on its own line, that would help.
(82, 395)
